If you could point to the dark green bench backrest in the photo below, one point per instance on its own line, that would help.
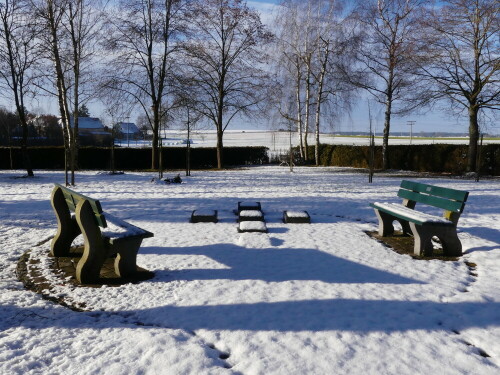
(72, 198)
(447, 199)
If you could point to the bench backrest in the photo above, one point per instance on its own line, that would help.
(450, 200)
(73, 198)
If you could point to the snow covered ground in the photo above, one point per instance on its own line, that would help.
(280, 141)
(319, 298)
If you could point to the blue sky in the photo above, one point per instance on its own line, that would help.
(433, 120)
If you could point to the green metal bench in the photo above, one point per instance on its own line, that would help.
(104, 235)
(424, 226)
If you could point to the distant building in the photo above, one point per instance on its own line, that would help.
(128, 130)
(91, 131)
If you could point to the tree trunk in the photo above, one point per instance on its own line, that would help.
(24, 151)
(19, 100)
(319, 100)
(60, 83)
(299, 114)
(385, 142)
(154, 147)
(307, 104)
(387, 121)
(220, 148)
(24, 140)
(156, 136)
(188, 151)
(473, 138)
(220, 125)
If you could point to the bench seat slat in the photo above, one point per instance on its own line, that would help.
(445, 204)
(409, 214)
(452, 194)
(119, 230)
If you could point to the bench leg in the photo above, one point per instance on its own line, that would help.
(95, 252)
(449, 239)
(405, 226)
(385, 220)
(67, 227)
(125, 262)
(423, 239)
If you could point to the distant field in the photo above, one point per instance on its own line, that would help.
(281, 140)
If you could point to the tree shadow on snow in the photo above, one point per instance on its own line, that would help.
(274, 265)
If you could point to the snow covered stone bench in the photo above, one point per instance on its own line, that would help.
(424, 226)
(251, 215)
(247, 206)
(204, 216)
(297, 217)
(104, 235)
(252, 226)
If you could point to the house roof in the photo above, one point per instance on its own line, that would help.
(128, 127)
(91, 123)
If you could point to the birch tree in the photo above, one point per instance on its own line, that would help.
(18, 56)
(69, 29)
(312, 39)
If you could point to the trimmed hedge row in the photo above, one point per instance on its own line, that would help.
(438, 158)
(135, 158)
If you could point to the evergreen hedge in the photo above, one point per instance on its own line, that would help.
(438, 158)
(99, 158)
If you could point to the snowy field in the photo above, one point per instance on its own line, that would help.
(319, 298)
(280, 141)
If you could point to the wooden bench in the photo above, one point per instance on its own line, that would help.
(104, 235)
(424, 226)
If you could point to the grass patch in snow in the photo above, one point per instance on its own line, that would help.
(403, 244)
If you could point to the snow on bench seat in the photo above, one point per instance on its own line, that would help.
(119, 229)
(252, 226)
(251, 215)
(296, 217)
(248, 205)
(204, 216)
(411, 214)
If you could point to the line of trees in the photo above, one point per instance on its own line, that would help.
(406, 54)
(215, 60)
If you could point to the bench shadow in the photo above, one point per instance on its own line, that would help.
(273, 265)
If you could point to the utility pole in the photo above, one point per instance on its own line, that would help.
(411, 123)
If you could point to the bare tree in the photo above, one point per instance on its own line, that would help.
(290, 23)
(460, 54)
(313, 41)
(83, 24)
(143, 37)
(386, 68)
(18, 55)
(334, 42)
(226, 62)
(68, 31)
